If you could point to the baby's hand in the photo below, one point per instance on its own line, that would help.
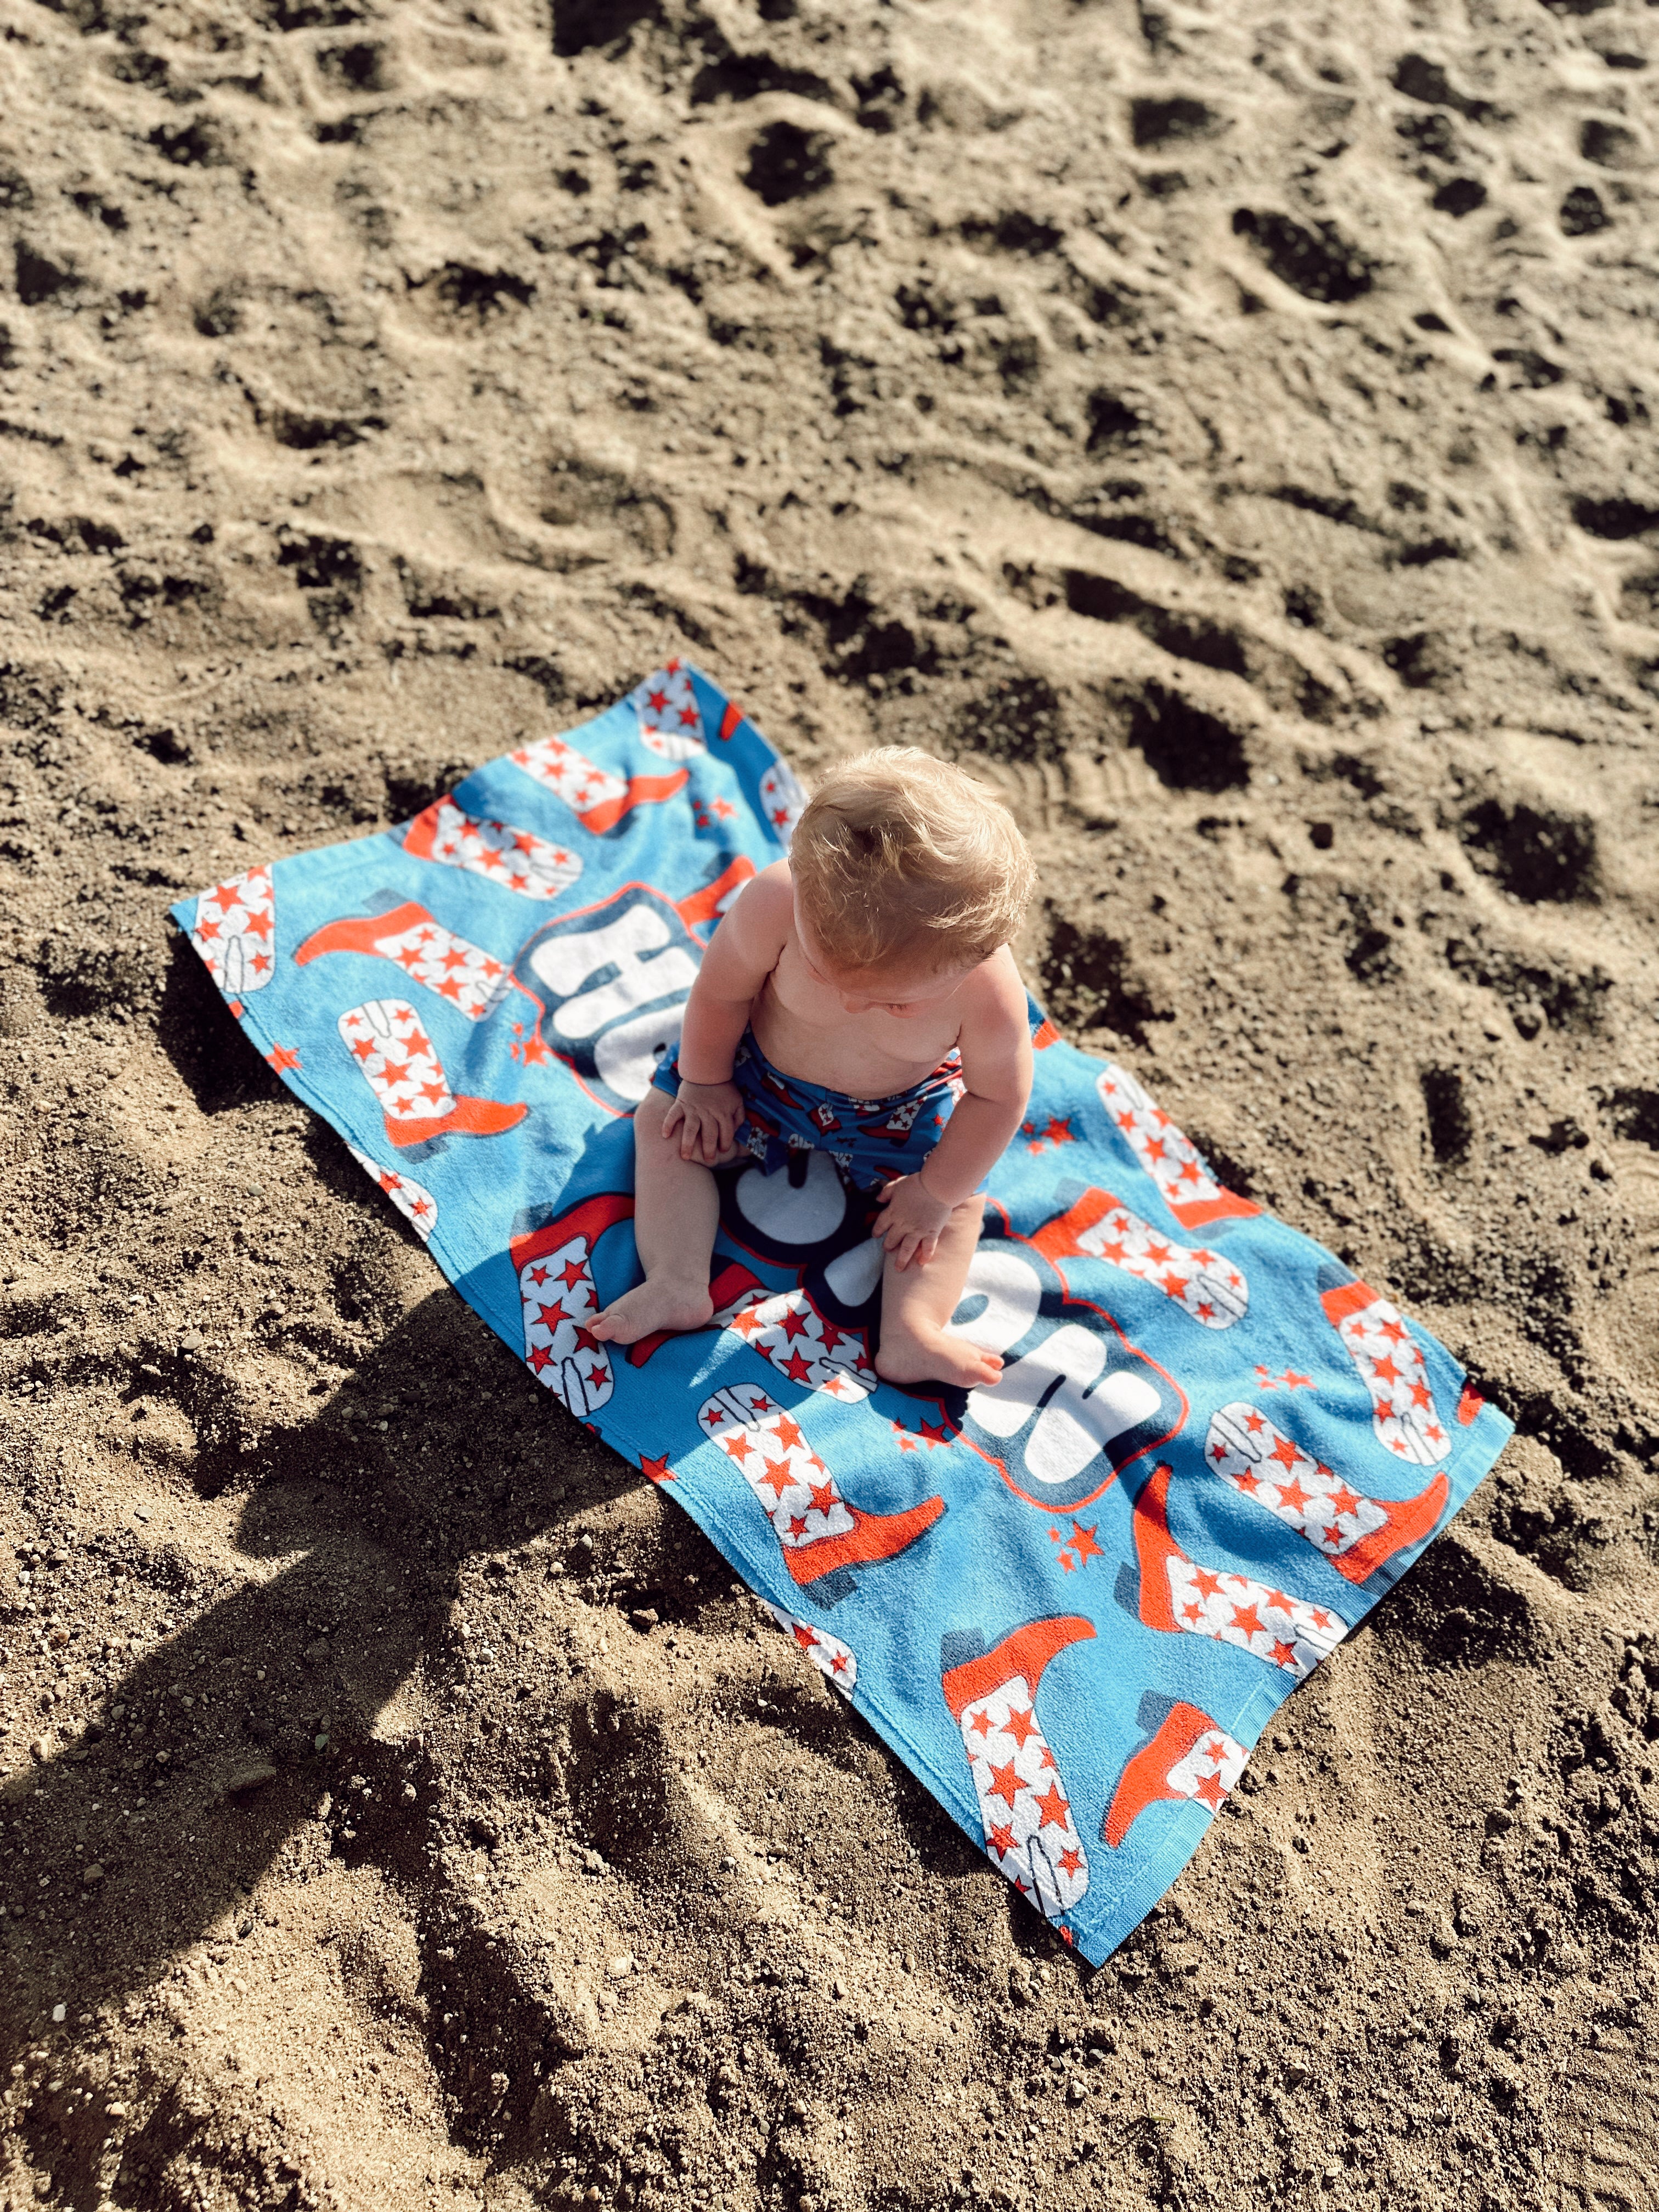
(910, 1221)
(707, 1116)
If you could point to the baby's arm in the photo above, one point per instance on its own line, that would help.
(995, 1045)
(743, 952)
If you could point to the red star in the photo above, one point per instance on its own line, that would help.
(737, 1447)
(943, 1434)
(1386, 1371)
(1420, 1397)
(1006, 1784)
(981, 1724)
(659, 699)
(573, 1273)
(1285, 1452)
(1210, 1792)
(798, 1370)
(1069, 1860)
(1067, 1562)
(1343, 1501)
(540, 1358)
(207, 931)
(786, 1432)
(805, 1636)
(906, 1441)
(655, 1470)
(1255, 1423)
(1001, 1841)
(1157, 1253)
(226, 896)
(724, 810)
(1084, 1544)
(1053, 1807)
(798, 1526)
(838, 1662)
(1206, 1583)
(281, 1058)
(1319, 1618)
(1283, 1654)
(824, 1496)
(536, 1275)
(1246, 1617)
(1021, 1724)
(1394, 1331)
(1294, 1495)
(777, 1480)
(1249, 1483)
(1295, 1382)
(795, 1324)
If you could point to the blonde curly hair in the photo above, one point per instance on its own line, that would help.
(902, 856)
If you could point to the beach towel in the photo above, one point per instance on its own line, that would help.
(1070, 1603)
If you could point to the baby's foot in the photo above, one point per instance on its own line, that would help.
(915, 1356)
(661, 1301)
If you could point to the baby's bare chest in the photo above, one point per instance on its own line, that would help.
(806, 1031)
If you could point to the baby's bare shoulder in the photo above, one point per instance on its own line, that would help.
(767, 905)
(994, 993)
(994, 1024)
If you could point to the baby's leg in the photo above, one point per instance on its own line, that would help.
(675, 1212)
(916, 1303)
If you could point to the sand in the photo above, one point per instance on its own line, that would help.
(1231, 429)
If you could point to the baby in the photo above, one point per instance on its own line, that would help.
(859, 998)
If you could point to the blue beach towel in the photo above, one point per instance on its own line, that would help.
(1070, 1603)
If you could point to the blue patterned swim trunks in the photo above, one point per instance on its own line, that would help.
(870, 1139)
